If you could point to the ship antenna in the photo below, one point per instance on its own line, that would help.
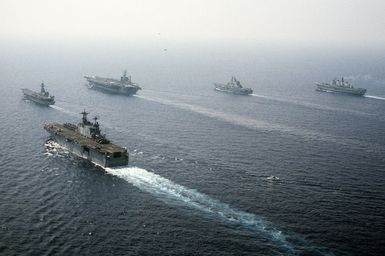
(84, 118)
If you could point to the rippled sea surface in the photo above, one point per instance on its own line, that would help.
(285, 171)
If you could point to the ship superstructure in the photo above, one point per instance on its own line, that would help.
(234, 87)
(41, 97)
(86, 141)
(110, 85)
(341, 86)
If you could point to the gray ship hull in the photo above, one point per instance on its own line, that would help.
(338, 89)
(123, 86)
(237, 91)
(35, 97)
(128, 90)
(87, 149)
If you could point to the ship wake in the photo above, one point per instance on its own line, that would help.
(52, 148)
(374, 97)
(64, 110)
(255, 124)
(310, 105)
(172, 193)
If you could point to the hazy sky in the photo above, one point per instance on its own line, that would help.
(357, 22)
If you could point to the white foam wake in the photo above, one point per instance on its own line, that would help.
(374, 97)
(174, 193)
(251, 123)
(311, 105)
(238, 120)
(64, 110)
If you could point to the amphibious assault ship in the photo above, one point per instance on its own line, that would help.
(110, 85)
(341, 86)
(41, 97)
(86, 141)
(234, 87)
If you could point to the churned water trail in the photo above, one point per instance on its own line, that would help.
(255, 124)
(173, 193)
(170, 192)
(64, 110)
(311, 105)
(374, 97)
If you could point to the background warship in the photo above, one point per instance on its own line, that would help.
(86, 141)
(123, 86)
(341, 86)
(41, 97)
(234, 87)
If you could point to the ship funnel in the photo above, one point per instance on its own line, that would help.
(96, 120)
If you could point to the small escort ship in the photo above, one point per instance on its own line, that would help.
(340, 86)
(110, 85)
(86, 141)
(41, 97)
(234, 87)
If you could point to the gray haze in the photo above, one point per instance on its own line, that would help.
(330, 22)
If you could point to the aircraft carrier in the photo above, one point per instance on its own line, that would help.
(340, 86)
(86, 141)
(234, 87)
(110, 85)
(41, 97)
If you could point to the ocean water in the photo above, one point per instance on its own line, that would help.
(285, 171)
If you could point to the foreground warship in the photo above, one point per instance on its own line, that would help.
(86, 141)
(234, 87)
(341, 86)
(123, 86)
(41, 97)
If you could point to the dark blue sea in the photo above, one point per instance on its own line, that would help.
(285, 171)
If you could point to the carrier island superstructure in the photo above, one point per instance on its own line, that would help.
(86, 141)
